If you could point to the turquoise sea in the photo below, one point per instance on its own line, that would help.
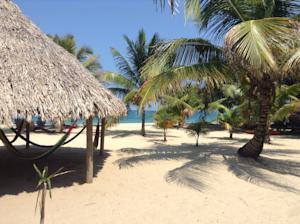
(133, 116)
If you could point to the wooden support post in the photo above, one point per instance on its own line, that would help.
(27, 134)
(103, 124)
(89, 150)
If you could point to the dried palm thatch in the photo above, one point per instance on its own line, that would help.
(38, 76)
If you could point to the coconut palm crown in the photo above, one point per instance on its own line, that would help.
(261, 43)
(84, 54)
(129, 79)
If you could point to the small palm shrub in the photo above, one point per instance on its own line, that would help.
(165, 119)
(43, 185)
(231, 120)
(197, 129)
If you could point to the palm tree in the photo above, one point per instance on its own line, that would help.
(44, 184)
(129, 79)
(183, 103)
(261, 42)
(287, 101)
(165, 119)
(196, 129)
(84, 54)
(230, 117)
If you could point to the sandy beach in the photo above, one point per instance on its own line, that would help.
(144, 180)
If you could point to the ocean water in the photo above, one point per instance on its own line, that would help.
(133, 116)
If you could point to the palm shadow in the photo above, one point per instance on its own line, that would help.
(201, 168)
(126, 133)
(238, 140)
(18, 175)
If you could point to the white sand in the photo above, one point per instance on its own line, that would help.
(144, 180)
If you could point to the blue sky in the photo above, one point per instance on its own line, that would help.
(101, 24)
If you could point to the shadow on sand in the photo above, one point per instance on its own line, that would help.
(200, 169)
(126, 133)
(18, 175)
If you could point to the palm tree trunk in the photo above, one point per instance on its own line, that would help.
(165, 135)
(268, 136)
(43, 204)
(254, 147)
(103, 124)
(143, 131)
(230, 135)
(197, 140)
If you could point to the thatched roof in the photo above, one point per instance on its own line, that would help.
(37, 75)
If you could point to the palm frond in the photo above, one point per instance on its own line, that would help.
(131, 51)
(164, 119)
(172, 101)
(123, 65)
(131, 97)
(286, 110)
(173, 4)
(293, 64)
(68, 42)
(232, 91)
(217, 17)
(118, 79)
(197, 128)
(118, 91)
(217, 105)
(211, 75)
(192, 9)
(140, 55)
(181, 52)
(254, 42)
(153, 44)
(84, 52)
(293, 90)
(92, 63)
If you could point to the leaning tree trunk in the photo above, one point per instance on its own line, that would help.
(254, 147)
(143, 131)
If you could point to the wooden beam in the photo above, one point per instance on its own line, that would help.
(89, 150)
(103, 124)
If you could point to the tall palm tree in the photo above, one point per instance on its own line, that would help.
(261, 41)
(129, 79)
(84, 54)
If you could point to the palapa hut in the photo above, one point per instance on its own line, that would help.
(38, 76)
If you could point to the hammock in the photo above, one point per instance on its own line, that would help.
(34, 156)
(47, 146)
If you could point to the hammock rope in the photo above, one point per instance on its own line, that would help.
(18, 132)
(35, 156)
(49, 146)
(97, 135)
